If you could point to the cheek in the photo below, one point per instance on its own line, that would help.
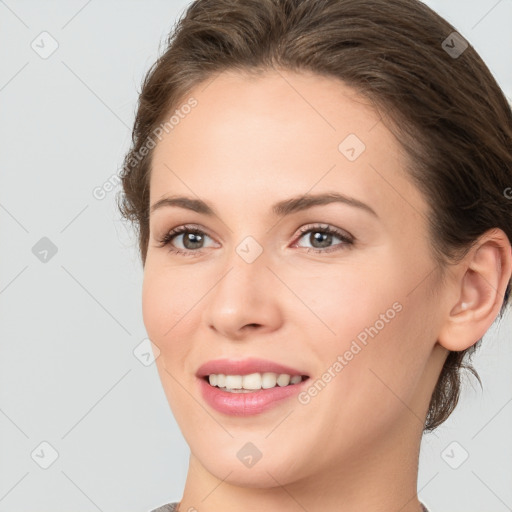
(384, 360)
(167, 307)
(376, 327)
(154, 312)
(168, 316)
(345, 299)
(374, 384)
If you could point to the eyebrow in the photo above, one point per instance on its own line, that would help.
(286, 207)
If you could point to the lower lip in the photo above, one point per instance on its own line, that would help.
(247, 404)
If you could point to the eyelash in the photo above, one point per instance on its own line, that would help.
(347, 241)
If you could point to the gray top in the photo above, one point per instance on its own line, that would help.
(171, 507)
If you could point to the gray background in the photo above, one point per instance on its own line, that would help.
(69, 326)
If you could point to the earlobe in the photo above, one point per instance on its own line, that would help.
(484, 275)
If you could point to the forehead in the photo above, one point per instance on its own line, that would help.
(252, 138)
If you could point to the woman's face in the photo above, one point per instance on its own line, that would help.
(357, 310)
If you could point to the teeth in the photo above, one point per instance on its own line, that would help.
(233, 382)
(253, 381)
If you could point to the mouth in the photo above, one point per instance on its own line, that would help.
(241, 388)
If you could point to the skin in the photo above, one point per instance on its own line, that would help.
(249, 143)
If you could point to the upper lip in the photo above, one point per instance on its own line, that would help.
(244, 367)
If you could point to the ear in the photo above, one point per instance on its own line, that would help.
(482, 278)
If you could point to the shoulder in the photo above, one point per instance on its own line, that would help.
(169, 507)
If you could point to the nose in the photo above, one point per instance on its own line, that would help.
(244, 299)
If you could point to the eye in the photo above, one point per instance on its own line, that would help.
(192, 239)
(321, 236)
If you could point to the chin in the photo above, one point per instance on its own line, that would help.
(261, 477)
(271, 470)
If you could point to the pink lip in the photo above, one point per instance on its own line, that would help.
(246, 404)
(245, 367)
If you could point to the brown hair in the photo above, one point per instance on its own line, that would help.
(446, 109)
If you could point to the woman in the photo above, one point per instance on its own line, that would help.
(320, 193)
